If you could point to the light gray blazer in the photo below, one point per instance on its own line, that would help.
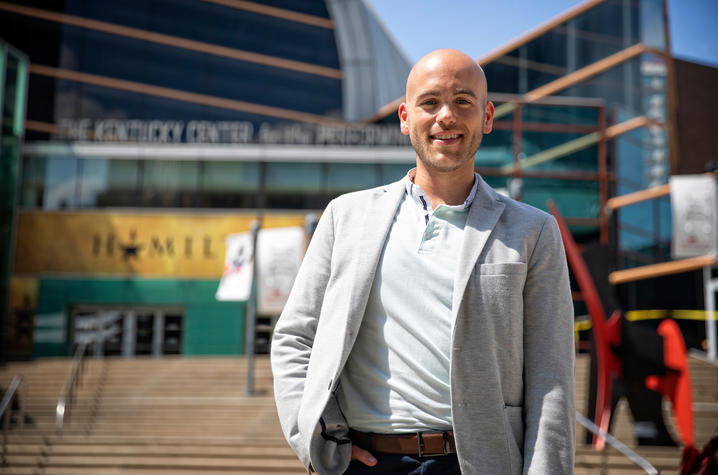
(512, 356)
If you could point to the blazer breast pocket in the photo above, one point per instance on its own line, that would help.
(498, 293)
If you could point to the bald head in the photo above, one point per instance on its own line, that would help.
(447, 63)
(446, 112)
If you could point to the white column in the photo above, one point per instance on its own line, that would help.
(158, 333)
(129, 334)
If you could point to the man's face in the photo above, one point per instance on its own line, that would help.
(446, 112)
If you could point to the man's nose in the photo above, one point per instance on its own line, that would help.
(446, 115)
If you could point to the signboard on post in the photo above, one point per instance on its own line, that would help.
(279, 254)
(693, 208)
(236, 283)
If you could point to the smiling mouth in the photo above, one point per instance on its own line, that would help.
(445, 138)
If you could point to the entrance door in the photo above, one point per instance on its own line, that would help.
(129, 331)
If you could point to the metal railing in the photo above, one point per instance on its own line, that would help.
(64, 404)
(12, 394)
(616, 444)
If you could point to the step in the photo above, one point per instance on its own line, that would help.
(163, 462)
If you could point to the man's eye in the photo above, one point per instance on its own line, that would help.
(429, 102)
(463, 101)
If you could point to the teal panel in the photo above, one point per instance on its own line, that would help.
(210, 327)
(214, 329)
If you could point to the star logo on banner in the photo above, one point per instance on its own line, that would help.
(132, 249)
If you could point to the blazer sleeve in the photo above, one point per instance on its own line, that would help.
(549, 398)
(294, 332)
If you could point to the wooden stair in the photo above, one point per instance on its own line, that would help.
(156, 416)
(704, 383)
(151, 416)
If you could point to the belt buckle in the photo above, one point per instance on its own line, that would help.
(446, 447)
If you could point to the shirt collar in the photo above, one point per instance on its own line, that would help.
(420, 198)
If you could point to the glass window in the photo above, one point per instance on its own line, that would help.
(617, 86)
(230, 176)
(652, 24)
(351, 176)
(293, 177)
(559, 115)
(39, 39)
(123, 174)
(276, 87)
(502, 76)
(185, 70)
(591, 36)
(61, 183)
(310, 7)
(33, 181)
(231, 27)
(496, 149)
(80, 101)
(165, 175)
(92, 181)
(575, 199)
(636, 225)
(534, 143)
(391, 172)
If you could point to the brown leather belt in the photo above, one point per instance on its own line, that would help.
(422, 444)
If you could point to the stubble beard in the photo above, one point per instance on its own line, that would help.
(449, 162)
(427, 158)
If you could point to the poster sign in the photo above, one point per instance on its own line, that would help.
(693, 208)
(236, 282)
(148, 244)
(279, 254)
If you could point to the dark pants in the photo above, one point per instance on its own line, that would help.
(407, 465)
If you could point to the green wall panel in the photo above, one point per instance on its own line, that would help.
(210, 327)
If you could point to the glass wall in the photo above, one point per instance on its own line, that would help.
(159, 60)
(632, 86)
(67, 182)
(570, 177)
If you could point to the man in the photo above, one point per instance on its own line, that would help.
(430, 326)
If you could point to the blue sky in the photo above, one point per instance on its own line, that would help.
(481, 26)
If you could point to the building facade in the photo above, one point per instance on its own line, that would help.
(155, 129)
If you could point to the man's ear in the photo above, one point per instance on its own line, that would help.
(488, 117)
(402, 119)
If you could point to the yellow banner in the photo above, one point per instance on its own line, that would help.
(134, 244)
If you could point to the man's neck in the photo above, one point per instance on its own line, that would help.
(450, 188)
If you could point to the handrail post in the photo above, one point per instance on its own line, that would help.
(5, 429)
(67, 397)
(710, 286)
(12, 393)
(20, 409)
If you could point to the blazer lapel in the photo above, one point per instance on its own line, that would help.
(483, 216)
(376, 224)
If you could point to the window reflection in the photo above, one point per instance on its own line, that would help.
(345, 177)
(231, 27)
(93, 181)
(391, 172)
(70, 183)
(61, 184)
(589, 37)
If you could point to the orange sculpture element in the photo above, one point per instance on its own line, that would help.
(676, 384)
(607, 333)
